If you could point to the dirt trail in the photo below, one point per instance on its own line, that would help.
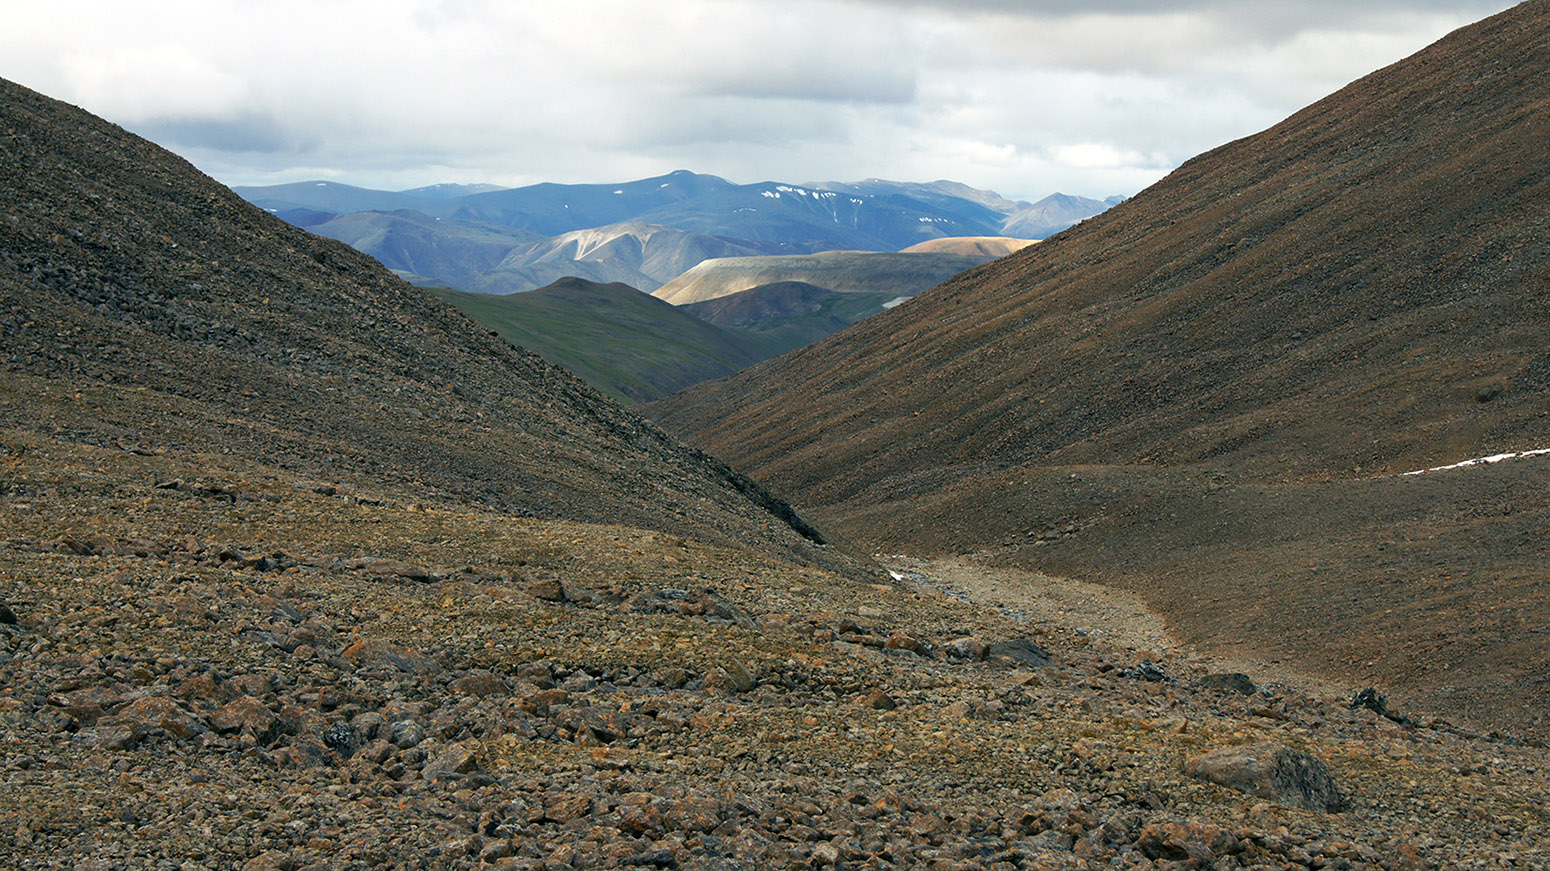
(1102, 615)
(1060, 604)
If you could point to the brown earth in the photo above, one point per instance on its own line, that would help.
(1206, 394)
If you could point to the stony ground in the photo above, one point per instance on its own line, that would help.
(209, 664)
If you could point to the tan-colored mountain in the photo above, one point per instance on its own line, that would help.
(633, 252)
(984, 246)
(147, 305)
(1211, 392)
(894, 273)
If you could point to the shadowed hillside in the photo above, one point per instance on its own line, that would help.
(1207, 392)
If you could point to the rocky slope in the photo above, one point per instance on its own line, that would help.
(251, 670)
(146, 305)
(1209, 393)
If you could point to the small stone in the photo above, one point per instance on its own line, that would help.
(1177, 841)
(406, 733)
(549, 590)
(341, 739)
(157, 712)
(540, 702)
(658, 858)
(1019, 651)
(273, 860)
(967, 648)
(565, 808)
(1145, 670)
(879, 701)
(7, 615)
(1273, 771)
(1371, 700)
(451, 762)
(742, 678)
(671, 677)
(718, 682)
(693, 815)
(481, 684)
(108, 737)
(906, 641)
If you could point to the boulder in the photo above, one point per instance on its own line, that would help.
(146, 716)
(1230, 682)
(1019, 652)
(247, 715)
(376, 651)
(1272, 771)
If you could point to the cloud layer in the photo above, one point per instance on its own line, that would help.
(1022, 97)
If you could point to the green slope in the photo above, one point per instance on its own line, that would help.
(790, 314)
(630, 345)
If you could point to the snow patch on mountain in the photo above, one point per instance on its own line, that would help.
(1481, 461)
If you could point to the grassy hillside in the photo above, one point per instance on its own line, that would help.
(625, 343)
(789, 314)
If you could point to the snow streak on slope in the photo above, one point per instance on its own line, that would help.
(1480, 461)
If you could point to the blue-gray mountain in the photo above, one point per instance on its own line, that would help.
(643, 232)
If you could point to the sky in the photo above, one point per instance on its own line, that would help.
(1024, 98)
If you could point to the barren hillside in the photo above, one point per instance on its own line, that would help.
(1208, 393)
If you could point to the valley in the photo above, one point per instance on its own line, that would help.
(1205, 533)
(683, 237)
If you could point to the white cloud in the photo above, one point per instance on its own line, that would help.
(1022, 97)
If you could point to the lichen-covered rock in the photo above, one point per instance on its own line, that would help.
(376, 651)
(148, 715)
(249, 716)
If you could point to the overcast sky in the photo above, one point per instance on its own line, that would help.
(1025, 98)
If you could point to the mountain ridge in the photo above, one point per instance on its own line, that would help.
(705, 216)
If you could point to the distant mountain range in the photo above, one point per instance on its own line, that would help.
(646, 232)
